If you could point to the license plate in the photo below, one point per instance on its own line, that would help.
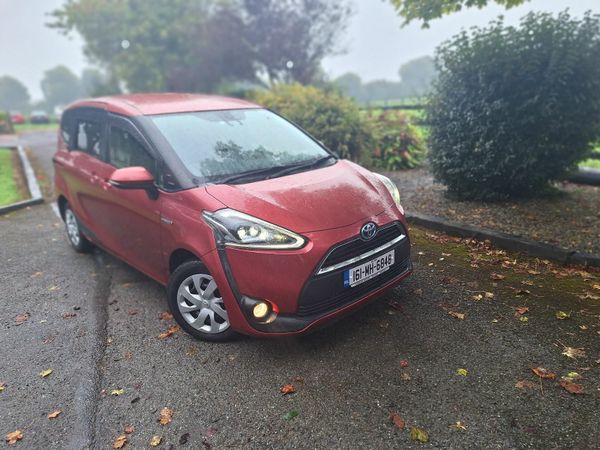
(368, 270)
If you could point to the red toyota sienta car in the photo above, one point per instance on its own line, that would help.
(253, 225)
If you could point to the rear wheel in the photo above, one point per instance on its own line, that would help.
(196, 303)
(76, 238)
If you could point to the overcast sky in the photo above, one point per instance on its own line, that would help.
(376, 44)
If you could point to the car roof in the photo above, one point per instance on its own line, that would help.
(163, 103)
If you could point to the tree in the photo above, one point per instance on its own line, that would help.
(351, 85)
(196, 45)
(418, 76)
(60, 86)
(94, 83)
(515, 107)
(427, 10)
(13, 94)
(289, 38)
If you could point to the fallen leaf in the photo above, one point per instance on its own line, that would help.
(68, 315)
(574, 353)
(397, 421)
(290, 415)
(583, 327)
(462, 372)
(405, 376)
(561, 315)
(166, 315)
(54, 414)
(497, 277)
(132, 312)
(543, 373)
(2, 387)
(489, 295)
(533, 272)
(477, 297)
(520, 310)
(37, 274)
(184, 438)
(522, 384)
(53, 288)
(572, 376)
(45, 373)
(521, 292)
(155, 441)
(120, 441)
(287, 389)
(596, 286)
(572, 388)
(14, 436)
(459, 426)
(456, 315)
(117, 392)
(171, 330)
(589, 296)
(419, 434)
(166, 415)
(403, 363)
(22, 318)
(129, 429)
(524, 319)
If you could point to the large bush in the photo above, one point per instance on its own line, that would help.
(398, 144)
(334, 120)
(515, 107)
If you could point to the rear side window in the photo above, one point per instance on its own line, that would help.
(126, 151)
(87, 137)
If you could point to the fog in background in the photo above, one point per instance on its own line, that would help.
(376, 44)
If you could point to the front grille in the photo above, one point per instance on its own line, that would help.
(357, 246)
(327, 293)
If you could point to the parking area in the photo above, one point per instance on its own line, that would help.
(449, 351)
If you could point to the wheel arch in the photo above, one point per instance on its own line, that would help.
(180, 256)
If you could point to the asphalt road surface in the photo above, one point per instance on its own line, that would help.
(95, 322)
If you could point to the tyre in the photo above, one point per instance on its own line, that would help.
(196, 303)
(76, 237)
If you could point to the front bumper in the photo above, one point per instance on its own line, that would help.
(305, 294)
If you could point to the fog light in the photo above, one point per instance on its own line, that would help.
(260, 310)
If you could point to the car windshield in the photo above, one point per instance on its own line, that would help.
(215, 145)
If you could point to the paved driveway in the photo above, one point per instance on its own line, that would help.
(399, 355)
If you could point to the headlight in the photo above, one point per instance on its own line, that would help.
(394, 192)
(241, 230)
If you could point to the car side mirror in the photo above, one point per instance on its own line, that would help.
(134, 178)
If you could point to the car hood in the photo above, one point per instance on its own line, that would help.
(321, 199)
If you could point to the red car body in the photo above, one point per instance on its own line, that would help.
(17, 118)
(155, 233)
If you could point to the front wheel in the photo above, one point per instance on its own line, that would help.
(76, 238)
(196, 303)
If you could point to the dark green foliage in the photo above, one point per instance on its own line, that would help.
(515, 108)
(329, 117)
(6, 126)
(398, 143)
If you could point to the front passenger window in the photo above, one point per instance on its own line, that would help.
(126, 151)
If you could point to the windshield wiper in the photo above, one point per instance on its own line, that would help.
(249, 174)
(301, 166)
(273, 172)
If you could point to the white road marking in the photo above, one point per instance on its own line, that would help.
(54, 207)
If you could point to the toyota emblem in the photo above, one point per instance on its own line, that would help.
(368, 231)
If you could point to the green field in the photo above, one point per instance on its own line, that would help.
(25, 127)
(9, 192)
(590, 163)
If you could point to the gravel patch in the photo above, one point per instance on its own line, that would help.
(570, 219)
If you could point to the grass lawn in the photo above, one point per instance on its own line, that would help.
(22, 128)
(590, 163)
(9, 191)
